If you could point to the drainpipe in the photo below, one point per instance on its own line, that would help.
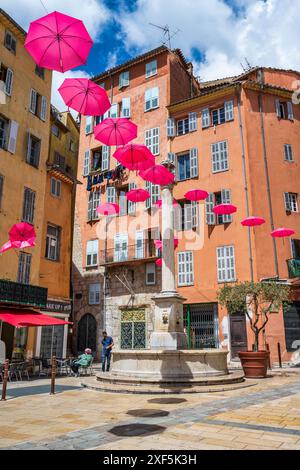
(245, 182)
(260, 104)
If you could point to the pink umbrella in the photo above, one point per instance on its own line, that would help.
(84, 96)
(58, 42)
(158, 174)
(253, 221)
(196, 195)
(158, 262)
(22, 232)
(159, 203)
(138, 195)
(282, 232)
(108, 208)
(159, 243)
(132, 156)
(115, 131)
(7, 246)
(224, 209)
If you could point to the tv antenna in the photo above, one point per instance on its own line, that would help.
(167, 34)
(247, 65)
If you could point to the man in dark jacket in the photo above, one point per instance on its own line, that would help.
(107, 344)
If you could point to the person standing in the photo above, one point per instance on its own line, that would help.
(107, 345)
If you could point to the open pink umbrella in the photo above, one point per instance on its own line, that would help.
(115, 131)
(7, 246)
(158, 174)
(138, 195)
(158, 243)
(159, 203)
(108, 208)
(58, 42)
(84, 96)
(282, 232)
(196, 195)
(22, 232)
(224, 209)
(158, 262)
(133, 156)
(253, 221)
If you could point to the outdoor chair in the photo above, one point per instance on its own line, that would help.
(63, 366)
(86, 369)
(45, 367)
(22, 369)
(13, 371)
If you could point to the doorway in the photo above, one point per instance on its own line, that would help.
(87, 333)
(238, 335)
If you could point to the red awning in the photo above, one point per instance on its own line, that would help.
(20, 318)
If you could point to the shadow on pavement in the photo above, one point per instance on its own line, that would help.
(144, 413)
(167, 401)
(36, 390)
(137, 429)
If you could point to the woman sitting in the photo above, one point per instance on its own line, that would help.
(83, 361)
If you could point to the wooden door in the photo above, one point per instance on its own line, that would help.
(238, 335)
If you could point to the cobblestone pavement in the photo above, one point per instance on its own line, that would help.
(264, 416)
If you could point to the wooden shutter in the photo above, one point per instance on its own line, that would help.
(9, 81)
(277, 106)
(170, 127)
(195, 214)
(290, 111)
(28, 156)
(148, 96)
(33, 101)
(90, 206)
(226, 199)
(86, 163)
(88, 124)
(287, 202)
(43, 112)
(155, 97)
(229, 111)
(177, 211)
(194, 162)
(126, 111)
(111, 194)
(148, 201)
(187, 216)
(209, 205)
(13, 133)
(105, 157)
(131, 205)
(192, 122)
(205, 118)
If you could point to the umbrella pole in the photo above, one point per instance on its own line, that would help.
(105, 274)
(1, 322)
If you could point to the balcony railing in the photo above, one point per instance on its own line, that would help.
(124, 253)
(293, 268)
(22, 294)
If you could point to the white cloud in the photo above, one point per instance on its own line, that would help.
(93, 12)
(266, 32)
(112, 59)
(57, 80)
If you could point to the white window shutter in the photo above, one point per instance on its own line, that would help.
(290, 111)
(9, 82)
(171, 157)
(226, 199)
(195, 214)
(192, 122)
(33, 99)
(43, 111)
(131, 205)
(287, 202)
(126, 111)
(170, 127)
(177, 211)
(209, 205)
(90, 207)
(229, 111)
(114, 110)
(88, 124)
(194, 162)
(86, 163)
(205, 118)
(111, 194)
(148, 100)
(13, 133)
(155, 193)
(28, 148)
(277, 105)
(148, 201)
(105, 157)
(187, 216)
(155, 97)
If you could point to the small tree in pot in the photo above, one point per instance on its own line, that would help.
(257, 300)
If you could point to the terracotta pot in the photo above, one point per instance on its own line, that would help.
(255, 364)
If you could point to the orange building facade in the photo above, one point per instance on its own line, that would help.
(238, 139)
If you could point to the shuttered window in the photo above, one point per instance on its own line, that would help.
(10, 42)
(1, 189)
(192, 122)
(209, 205)
(151, 68)
(33, 150)
(111, 194)
(28, 205)
(105, 157)
(205, 118)
(88, 125)
(92, 253)
(152, 140)
(33, 101)
(170, 127)
(185, 268)
(154, 190)
(24, 268)
(291, 202)
(94, 294)
(126, 109)
(152, 98)
(9, 82)
(226, 264)
(123, 79)
(43, 111)
(219, 152)
(93, 203)
(86, 163)
(53, 242)
(131, 205)
(288, 153)
(150, 274)
(55, 187)
(12, 139)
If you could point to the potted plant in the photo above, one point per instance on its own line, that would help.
(257, 300)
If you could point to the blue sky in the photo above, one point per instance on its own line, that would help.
(216, 35)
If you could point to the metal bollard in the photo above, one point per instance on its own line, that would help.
(279, 355)
(53, 375)
(5, 380)
(269, 358)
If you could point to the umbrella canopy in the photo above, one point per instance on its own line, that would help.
(138, 195)
(25, 244)
(158, 262)
(84, 96)
(224, 209)
(58, 42)
(21, 318)
(22, 232)
(158, 243)
(108, 208)
(157, 174)
(196, 195)
(253, 221)
(282, 232)
(134, 156)
(115, 131)
(7, 246)
(159, 203)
